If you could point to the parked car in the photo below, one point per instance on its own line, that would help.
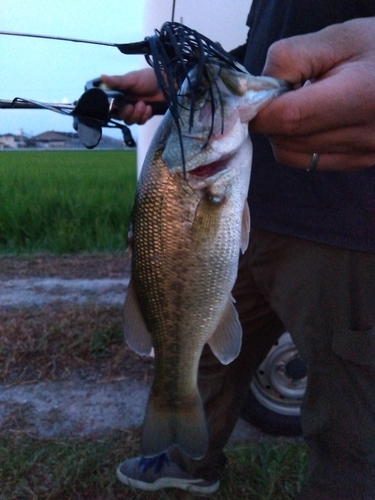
(273, 403)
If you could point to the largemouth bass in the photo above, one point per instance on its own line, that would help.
(190, 221)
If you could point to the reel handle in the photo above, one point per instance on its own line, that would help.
(119, 100)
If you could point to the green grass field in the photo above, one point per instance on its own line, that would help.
(73, 469)
(65, 201)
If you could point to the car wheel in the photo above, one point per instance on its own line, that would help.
(273, 402)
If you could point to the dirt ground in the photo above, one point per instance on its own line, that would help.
(89, 266)
(64, 367)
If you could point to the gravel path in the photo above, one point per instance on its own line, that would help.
(72, 408)
(36, 292)
(80, 406)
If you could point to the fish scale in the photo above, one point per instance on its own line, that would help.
(174, 276)
(187, 232)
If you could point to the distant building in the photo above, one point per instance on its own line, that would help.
(54, 140)
(12, 141)
(49, 140)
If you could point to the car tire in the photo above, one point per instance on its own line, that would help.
(273, 402)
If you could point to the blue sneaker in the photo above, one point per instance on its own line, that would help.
(159, 472)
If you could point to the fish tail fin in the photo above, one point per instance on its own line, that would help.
(185, 427)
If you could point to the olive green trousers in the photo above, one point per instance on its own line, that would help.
(325, 297)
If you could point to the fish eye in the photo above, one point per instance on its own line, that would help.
(201, 86)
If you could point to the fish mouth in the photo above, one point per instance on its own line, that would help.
(209, 170)
(199, 157)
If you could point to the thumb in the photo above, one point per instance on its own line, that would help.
(307, 57)
(114, 81)
(298, 59)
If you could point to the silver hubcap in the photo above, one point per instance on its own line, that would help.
(280, 381)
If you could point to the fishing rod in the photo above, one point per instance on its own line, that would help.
(17, 103)
(172, 52)
(94, 110)
(174, 36)
(125, 48)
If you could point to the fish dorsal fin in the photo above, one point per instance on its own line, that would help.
(136, 333)
(225, 343)
(245, 227)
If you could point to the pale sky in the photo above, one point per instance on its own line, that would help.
(55, 71)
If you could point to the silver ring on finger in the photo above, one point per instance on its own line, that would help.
(313, 162)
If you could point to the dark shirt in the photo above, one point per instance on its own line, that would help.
(335, 208)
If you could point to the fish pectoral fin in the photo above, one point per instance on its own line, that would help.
(136, 333)
(226, 342)
(185, 427)
(245, 227)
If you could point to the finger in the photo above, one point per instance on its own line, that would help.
(130, 82)
(136, 114)
(349, 140)
(304, 57)
(326, 162)
(114, 81)
(139, 84)
(331, 103)
(344, 87)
